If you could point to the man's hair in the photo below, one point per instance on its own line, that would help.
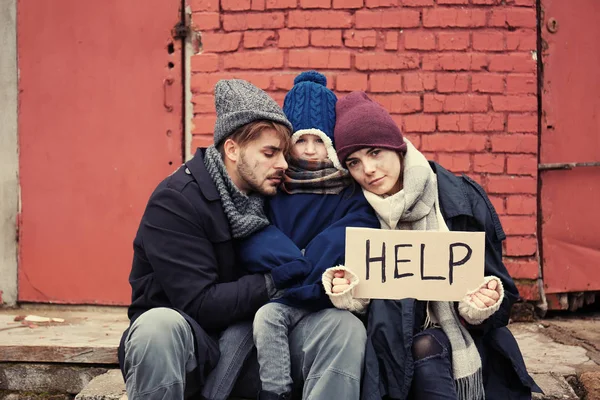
(252, 131)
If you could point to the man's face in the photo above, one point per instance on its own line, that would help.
(261, 164)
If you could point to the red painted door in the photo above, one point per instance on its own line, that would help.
(100, 124)
(570, 134)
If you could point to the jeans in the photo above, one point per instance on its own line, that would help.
(433, 378)
(326, 349)
(272, 324)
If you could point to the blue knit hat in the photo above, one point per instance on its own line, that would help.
(310, 107)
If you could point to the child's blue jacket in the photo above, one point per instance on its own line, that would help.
(307, 235)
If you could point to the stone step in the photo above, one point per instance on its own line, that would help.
(108, 386)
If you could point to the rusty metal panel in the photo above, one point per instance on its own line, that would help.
(570, 133)
(100, 124)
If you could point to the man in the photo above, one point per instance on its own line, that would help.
(191, 307)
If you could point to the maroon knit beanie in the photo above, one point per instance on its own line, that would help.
(360, 123)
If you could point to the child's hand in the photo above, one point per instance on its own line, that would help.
(339, 282)
(487, 296)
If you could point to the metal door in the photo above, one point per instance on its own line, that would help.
(570, 146)
(100, 124)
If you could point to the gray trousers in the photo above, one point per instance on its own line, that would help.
(327, 352)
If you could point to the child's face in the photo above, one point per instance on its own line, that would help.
(309, 148)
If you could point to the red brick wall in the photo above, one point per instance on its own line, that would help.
(459, 77)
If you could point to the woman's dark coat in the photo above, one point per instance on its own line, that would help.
(392, 324)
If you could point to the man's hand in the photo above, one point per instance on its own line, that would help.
(339, 282)
(487, 296)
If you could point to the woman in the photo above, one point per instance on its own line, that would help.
(416, 349)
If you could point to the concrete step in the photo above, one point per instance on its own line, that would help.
(108, 386)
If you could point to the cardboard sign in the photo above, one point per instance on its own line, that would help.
(396, 264)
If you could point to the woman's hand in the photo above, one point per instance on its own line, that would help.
(339, 282)
(486, 296)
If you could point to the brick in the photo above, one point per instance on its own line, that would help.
(522, 40)
(319, 19)
(360, 38)
(245, 21)
(512, 17)
(522, 269)
(289, 38)
(399, 103)
(279, 4)
(351, 81)
(520, 246)
(489, 41)
(521, 205)
(514, 103)
(253, 60)
(391, 41)
(488, 163)
(487, 83)
(220, 42)
(381, 3)
(485, 2)
(488, 122)
(314, 58)
(418, 40)
(385, 83)
(201, 141)
(455, 162)
(523, 123)
(528, 290)
(517, 83)
(446, 17)
(417, 3)
(203, 125)
(465, 103)
(386, 61)
(452, 83)
(522, 165)
(511, 185)
(387, 19)
(522, 3)
(203, 104)
(283, 81)
(205, 62)
(235, 5)
(205, 21)
(453, 40)
(279, 97)
(453, 142)
(433, 102)
(454, 62)
(348, 4)
(518, 225)
(454, 122)
(315, 3)
(418, 123)
(204, 5)
(515, 143)
(452, 2)
(418, 81)
(258, 39)
(516, 62)
(258, 5)
(326, 38)
(498, 203)
(204, 83)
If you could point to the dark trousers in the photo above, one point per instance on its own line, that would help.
(433, 378)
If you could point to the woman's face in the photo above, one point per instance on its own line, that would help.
(377, 170)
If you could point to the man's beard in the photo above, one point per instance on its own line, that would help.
(248, 175)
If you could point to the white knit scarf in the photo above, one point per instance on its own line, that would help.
(416, 207)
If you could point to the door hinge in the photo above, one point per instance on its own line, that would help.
(180, 30)
(550, 166)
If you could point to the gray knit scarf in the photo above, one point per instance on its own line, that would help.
(245, 213)
(314, 177)
(416, 207)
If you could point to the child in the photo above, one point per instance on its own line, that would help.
(309, 218)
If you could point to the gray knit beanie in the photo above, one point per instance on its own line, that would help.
(238, 103)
